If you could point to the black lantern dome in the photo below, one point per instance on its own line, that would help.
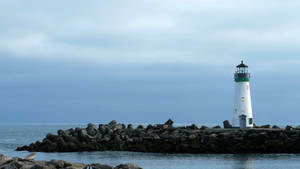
(241, 65)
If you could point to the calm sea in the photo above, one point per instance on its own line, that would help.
(14, 135)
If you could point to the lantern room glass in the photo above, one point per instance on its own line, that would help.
(242, 70)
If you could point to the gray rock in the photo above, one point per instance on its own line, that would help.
(213, 135)
(60, 132)
(18, 163)
(83, 133)
(119, 127)
(100, 166)
(91, 129)
(140, 127)
(156, 137)
(267, 126)
(127, 166)
(49, 146)
(106, 138)
(98, 137)
(149, 127)
(102, 128)
(13, 163)
(39, 166)
(129, 126)
(51, 137)
(31, 165)
(192, 127)
(169, 122)
(288, 128)
(112, 123)
(192, 137)
(165, 126)
(60, 163)
(3, 157)
(110, 131)
(76, 166)
(117, 138)
(70, 132)
(227, 124)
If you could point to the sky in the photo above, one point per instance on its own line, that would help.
(144, 61)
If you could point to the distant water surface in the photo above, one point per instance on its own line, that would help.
(14, 135)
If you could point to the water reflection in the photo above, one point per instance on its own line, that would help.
(243, 161)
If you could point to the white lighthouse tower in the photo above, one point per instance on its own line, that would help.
(242, 116)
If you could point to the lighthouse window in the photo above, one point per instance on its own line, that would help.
(250, 121)
(243, 99)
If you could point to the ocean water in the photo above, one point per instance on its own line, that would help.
(14, 135)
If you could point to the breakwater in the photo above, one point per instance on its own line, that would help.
(166, 138)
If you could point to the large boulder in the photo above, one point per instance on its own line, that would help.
(120, 126)
(227, 124)
(203, 127)
(113, 123)
(70, 132)
(98, 137)
(60, 163)
(70, 139)
(169, 122)
(91, 129)
(83, 134)
(106, 138)
(130, 126)
(51, 137)
(61, 132)
(140, 127)
(102, 128)
(49, 146)
(288, 128)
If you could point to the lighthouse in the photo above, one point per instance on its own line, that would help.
(242, 116)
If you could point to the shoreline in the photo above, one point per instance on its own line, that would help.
(29, 163)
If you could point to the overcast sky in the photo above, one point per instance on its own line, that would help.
(147, 60)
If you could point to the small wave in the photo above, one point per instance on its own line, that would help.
(7, 140)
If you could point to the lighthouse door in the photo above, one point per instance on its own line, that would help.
(242, 119)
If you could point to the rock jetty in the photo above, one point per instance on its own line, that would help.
(25, 163)
(166, 138)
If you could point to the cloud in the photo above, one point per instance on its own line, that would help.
(131, 59)
(192, 32)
